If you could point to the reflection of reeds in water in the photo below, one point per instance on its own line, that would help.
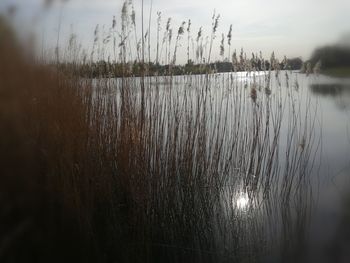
(188, 172)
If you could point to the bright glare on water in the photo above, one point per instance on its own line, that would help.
(242, 202)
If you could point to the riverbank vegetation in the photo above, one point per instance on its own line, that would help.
(151, 169)
(334, 60)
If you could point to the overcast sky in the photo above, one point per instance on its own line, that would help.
(292, 28)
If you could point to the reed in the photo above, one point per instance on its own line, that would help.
(164, 168)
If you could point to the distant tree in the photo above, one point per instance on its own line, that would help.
(331, 57)
(294, 63)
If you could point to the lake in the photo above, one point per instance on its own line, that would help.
(258, 164)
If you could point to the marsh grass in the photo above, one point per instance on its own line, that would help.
(150, 169)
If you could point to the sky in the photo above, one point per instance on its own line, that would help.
(293, 28)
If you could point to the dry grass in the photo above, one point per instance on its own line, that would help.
(144, 169)
(42, 122)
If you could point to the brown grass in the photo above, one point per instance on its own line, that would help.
(103, 170)
(43, 144)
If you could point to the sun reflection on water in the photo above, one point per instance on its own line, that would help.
(242, 201)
